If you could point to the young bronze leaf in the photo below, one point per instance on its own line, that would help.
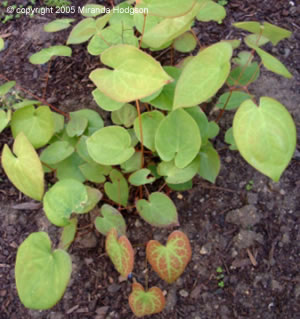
(120, 252)
(143, 303)
(42, 275)
(203, 76)
(170, 261)
(265, 136)
(25, 169)
(159, 211)
(111, 218)
(135, 75)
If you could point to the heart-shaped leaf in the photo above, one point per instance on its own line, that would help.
(110, 145)
(209, 163)
(45, 55)
(94, 196)
(83, 31)
(25, 170)
(105, 102)
(111, 218)
(211, 11)
(139, 77)
(58, 25)
(233, 100)
(185, 43)
(42, 275)
(170, 261)
(94, 172)
(125, 115)
(211, 64)
(178, 137)
(68, 234)
(95, 121)
(159, 211)
(265, 136)
(117, 190)
(144, 303)
(133, 164)
(120, 252)
(64, 198)
(36, 124)
(77, 124)
(166, 8)
(141, 177)
(150, 123)
(56, 152)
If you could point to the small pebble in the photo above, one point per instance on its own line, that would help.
(183, 293)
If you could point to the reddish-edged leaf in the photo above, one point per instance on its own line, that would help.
(120, 252)
(143, 303)
(170, 261)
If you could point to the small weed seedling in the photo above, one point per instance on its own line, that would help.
(159, 136)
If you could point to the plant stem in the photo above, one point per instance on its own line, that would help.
(144, 25)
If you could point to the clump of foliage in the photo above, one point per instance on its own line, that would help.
(160, 137)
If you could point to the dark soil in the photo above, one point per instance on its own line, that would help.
(245, 223)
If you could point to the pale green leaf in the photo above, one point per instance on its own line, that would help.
(94, 196)
(244, 76)
(82, 151)
(150, 122)
(59, 122)
(209, 163)
(94, 172)
(110, 145)
(265, 136)
(5, 118)
(24, 169)
(24, 103)
(185, 43)
(117, 190)
(211, 11)
(229, 139)
(178, 137)
(64, 198)
(135, 75)
(105, 102)
(95, 121)
(68, 234)
(83, 31)
(76, 125)
(56, 152)
(201, 119)
(125, 115)
(233, 100)
(122, 15)
(181, 187)
(1, 44)
(110, 218)
(133, 164)
(6, 87)
(92, 10)
(42, 275)
(159, 211)
(45, 55)
(212, 65)
(141, 177)
(58, 25)
(36, 124)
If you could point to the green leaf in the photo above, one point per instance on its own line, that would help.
(178, 137)
(150, 123)
(229, 139)
(243, 58)
(209, 163)
(58, 25)
(110, 218)
(141, 177)
(270, 31)
(211, 64)
(185, 43)
(120, 252)
(95, 121)
(94, 196)
(255, 40)
(166, 8)
(133, 164)
(42, 275)
(117, 190)
(159, 211)
(56, 152)
(200, 118)
(170, 261)
(83, 31)
(213, 130)
(139, 77)
(175, 175)
(36, 124)
(24, 103)
(25, 170)
(243, 76)
(82, 151)
(45, 55)
(59, 122)
(68, 234)
(125, 115)
(105, 102)
(92, 10)
(64, 198)
(4, 119)
(110, 145)
(169, 29)
(1, 44)
(77, 124)
(94, 172)
(6, 87)
(233, 100)
(273, 64)
(111, 36)
(122, 16)
(146, 303)
(181, 187)
(211, 11)
(265, 136)
(165, 100)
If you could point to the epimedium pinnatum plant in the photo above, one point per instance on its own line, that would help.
(159, 133)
